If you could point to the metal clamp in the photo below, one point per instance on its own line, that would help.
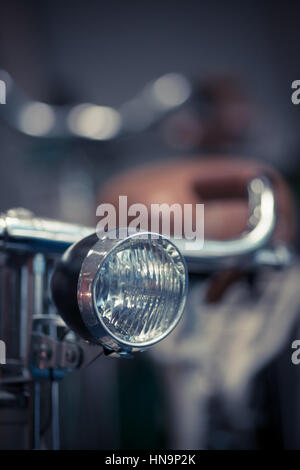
(48, 353)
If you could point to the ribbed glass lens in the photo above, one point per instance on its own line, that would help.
(140, 290)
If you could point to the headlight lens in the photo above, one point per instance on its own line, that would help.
(139, 290)
(131, 292)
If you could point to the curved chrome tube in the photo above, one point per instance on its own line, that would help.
(19, 227)
(89, 120)
(215, 253)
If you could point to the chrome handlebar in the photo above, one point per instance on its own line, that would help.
(157, 99)
(19, 228)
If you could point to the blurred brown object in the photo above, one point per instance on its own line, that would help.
(218, 182)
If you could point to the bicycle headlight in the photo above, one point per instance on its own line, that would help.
(126, 294)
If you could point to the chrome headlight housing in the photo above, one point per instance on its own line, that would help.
(123, 293)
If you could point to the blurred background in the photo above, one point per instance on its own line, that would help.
(231, 65)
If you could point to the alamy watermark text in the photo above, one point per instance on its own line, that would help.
(180, 221)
